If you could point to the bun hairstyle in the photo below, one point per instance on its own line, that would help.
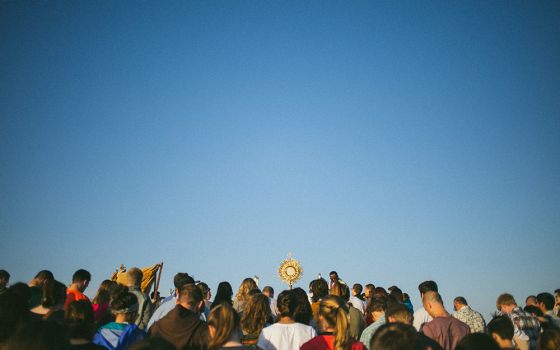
(123, 301)
(286, 303)
(225, 321)
(335, 313)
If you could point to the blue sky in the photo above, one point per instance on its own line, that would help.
(393, 142)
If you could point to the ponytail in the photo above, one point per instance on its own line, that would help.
(333, 310)
(342, 336)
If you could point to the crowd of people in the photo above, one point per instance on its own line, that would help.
(330, 315)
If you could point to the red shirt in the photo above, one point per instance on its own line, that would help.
(72, 295)
(326, 342)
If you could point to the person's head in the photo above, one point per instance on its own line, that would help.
(223, 294)
(501, 330)
(190, 297)
(333, 317)
(223, 325)
(459, 302)
(268, 291)
(549, 339)
(333, 275)
(557, 296)
(531, 300)
(104, 292)
(368, 290)
(377, 307)
(357, 290)
(396, 336)
(506, 303)
(21, 289)
(81, 279)
(53, 293)
(427, 286)
(406, 296)
(397, 294)
(124, 304)
(14, 311)
(181, 279)
(256, 314)
(39, 335)
(534, 310)
(41, 277)
(380, 292)
(303, 312)
(398, 313)
(134, 277)
(205, 290)
(4, 278)
(433, 304)
(286, 304)
(319, 289)
(246, 285)
(545, 301)
(340, 290)
(79, 320)
(477, 341)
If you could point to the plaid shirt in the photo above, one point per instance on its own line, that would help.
(472, 318)
(526, 326)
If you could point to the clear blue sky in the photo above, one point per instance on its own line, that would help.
(391, 141)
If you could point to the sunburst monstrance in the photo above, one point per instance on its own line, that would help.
(290, 270)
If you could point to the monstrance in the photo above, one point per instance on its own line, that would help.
(290, 270)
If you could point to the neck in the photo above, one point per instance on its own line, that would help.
(286, 320)
(121, 318)
(441, 313)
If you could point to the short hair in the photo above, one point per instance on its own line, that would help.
(432, 296)
(502, 326)
(400, 313)
(79, 320)
(505, 299)
(268, 289)
(81, 275)
(533, 310)
(190, 294)
(477, 341)
(377, 304)
(4, 274)
(135, 276)
(530, 297)
(427, 286)
(396, 336)
(286, 303)
(547, 299)
(397, 293)
(319, 288)
(357, 288)
(181, 279)
(333, 273)
(460, 300)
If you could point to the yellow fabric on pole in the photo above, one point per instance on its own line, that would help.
(148, 276)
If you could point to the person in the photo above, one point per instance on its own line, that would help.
(444, 329)
(180, 280)
(357, 321)
(357, 299)
(397, 336)
(122, 332)
(407, 302)
(182, 326)
(80, 323)
(368, 292)
(269, 292)
(101, 313)
(557, 302)
(256, 316)
(36, 286)
(531, 300)
(421, 316)
(501, 330)
(242, 294)
(134, 282)
(319, 290)
(14, 312)
(333, 275)
(526, 327)
(223, 328)
(334, 332)
(206, 294)
(38, 334)
(376, 309)
(477, 341)
(398, 313)
(4, 280)
(286, 334)
(549, 339)
(545, 302)
(303, 313)
(52, 302)
(80, 281)
(223, 294)
(464, 313)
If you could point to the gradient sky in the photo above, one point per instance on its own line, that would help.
(391, 141)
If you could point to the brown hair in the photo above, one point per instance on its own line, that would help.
(104, 292)
(255, 314)
(225, 321)
(246, 286)
(505, 299)
(333, 310)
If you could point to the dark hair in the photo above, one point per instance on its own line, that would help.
(534, 310)
(380, 292)
(286, 303)
(547, 299)
(21, 289)
(357, 288)
(223, 295)
(14, 310)
(427, 286)
(53, 293)
(320, 289)
(377, 304)
(399, 312)
(549, 339)
(477, 341)
(396, 336)
(152, 343)
(81, 275)
(204, 289)
(181, 279)
(79, 321)
(190, 294)
(39, 335)
(460, 300)
(104, 292)
(122, 299)
(44, 275)
(4, 274)
(502, 326)
(333, 273)
(302, 313)
(397, 293)
(268, 289)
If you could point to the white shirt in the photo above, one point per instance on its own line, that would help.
(358, 304)
(421, 316)
(281, 336)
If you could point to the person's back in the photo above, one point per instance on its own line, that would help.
(446, 331)
(465, 314)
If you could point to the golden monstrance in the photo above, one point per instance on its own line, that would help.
(290, 270)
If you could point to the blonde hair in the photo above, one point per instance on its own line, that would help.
(246, 286)
(255, 314)
(225, 321)
(333, 310)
